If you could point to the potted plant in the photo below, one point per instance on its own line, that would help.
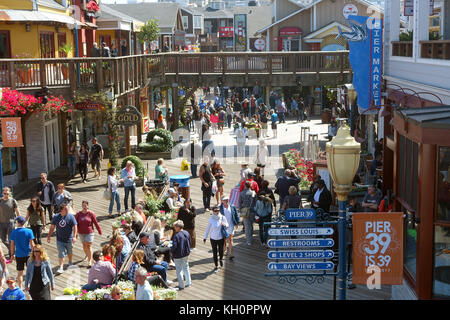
(65, 51)
(24, 70)
(158, 144)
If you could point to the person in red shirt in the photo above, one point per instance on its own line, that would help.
(387, 203)
(86, 220)
(253, 183)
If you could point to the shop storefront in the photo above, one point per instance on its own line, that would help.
(87, 121)
(416, 154)
(290, 39)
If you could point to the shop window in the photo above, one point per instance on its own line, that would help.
(47, 42)
(5, 46)
(61, 42)
(441, 272)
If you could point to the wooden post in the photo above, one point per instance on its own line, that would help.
(127, 141)
(138, 106)
(175, 109)
(127, 73)
(72, 78)
(42, 73)
(99, 71)
(12, 75)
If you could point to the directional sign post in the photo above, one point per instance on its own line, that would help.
(301, 254)
(301, 231)
(292, 266)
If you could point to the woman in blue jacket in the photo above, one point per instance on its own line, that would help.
(39, 278)
(232, 216)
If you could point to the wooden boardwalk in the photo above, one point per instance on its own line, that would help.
(240, 279)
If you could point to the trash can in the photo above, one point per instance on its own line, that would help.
(183, 180)
(157, 185)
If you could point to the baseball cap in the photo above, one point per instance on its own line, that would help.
(11, 280)
(172, 190)
(21, 219)
(225, 198)
(144, 234)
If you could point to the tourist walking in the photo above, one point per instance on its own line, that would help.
(207, 179)
(13, 292)
(21, 246)
(61, 195)
(39, 278)
(273, 119)
(36, 219)
(222, 118)
(241, 139)
(229, 115)
(263, 209)
(214, 121)
(193, 152)
(9, 210)
(155, 115)
(322, 197)
(83, 159)
(283, 183)
(230, 212)
(187, 214)
(266, 191)
(262, 156)
(86, 220)
(113, 187)
(72, 158)
(96, 156)
(246, 203)
(160, 120)
(217, 239)
(129, 182)
(219, 175)
(46, 192)
(181, 249)
(66, 234)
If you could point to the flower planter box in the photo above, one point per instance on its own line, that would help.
(153, 155)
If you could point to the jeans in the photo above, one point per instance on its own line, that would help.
(194, 170)
(248, 225)
(71, 165)
(263, 230)
(229, 119)
(281, 116)
(5, 231)
(182, 265)
(114, 197)
(217, 247)
(161, 269)
(49, 209)
(37, 231)
(133, 196)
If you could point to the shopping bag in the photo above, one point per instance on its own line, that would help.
(214, 188)
(184, 165)
(107, 194)
(234, 196)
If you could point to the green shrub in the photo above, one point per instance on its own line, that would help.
(138, 165)
(165, 142)
(152, 147)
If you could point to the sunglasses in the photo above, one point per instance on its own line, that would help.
(33, 201)
(37, 251)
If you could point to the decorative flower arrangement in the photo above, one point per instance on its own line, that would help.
(14, 102)
(305, 168)
(104, 293)
(164, 294)
(125, 218)
(170, 216)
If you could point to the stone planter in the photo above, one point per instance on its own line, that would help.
(153, 155)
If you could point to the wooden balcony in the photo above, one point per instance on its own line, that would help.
(435, 49)
(125, 74)
(402, 48)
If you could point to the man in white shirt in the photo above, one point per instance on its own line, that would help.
(144, 290)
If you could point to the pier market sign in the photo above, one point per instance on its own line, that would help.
(128, 116)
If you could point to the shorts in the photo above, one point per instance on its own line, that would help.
(64, 248)
(95, 163)
(274, 126)
(260, 165)
(264, 125)
(88, 237)
(21, 262)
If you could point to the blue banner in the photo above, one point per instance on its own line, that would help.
(365, 41)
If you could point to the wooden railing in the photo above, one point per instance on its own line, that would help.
(129, 72)
(402, 48)
(435, 49)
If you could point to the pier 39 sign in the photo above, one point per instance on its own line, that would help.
(128, 116)
(378, 247)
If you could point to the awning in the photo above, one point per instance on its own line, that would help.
(38, 16)
(91, 25)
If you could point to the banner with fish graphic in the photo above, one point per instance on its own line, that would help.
(365, 41)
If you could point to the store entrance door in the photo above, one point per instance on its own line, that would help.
(52, 150)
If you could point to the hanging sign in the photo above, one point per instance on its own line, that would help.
(300, 214)
(378, 247)
(12, 132)
(240, 32)
(87, 106)
(128, 116)
(349, 9)
(260, 44)
(300, 231)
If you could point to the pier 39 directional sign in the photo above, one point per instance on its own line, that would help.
(293, 266)
(301, 254)
(297, 243)
(300, 214)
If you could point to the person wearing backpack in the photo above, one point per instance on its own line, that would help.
(263, 214)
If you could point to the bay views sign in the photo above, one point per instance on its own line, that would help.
(128, 116)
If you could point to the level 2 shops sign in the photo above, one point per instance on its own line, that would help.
(128, 116)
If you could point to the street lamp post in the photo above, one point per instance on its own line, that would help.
(343, 154)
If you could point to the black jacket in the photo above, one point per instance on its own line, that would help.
(51, 191)
(325, 199)
(187, 216)
(149, 256)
